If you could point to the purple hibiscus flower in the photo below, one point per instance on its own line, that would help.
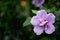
(43, 22)
(38, 3)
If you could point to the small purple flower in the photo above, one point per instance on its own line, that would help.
(38, 3)
(43, 22)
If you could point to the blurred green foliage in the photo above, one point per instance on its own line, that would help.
(15, 20)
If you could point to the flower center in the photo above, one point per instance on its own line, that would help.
(43, 23)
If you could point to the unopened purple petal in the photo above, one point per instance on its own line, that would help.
(38, 30)
(50, 18)
(34, 20)
(49, 29)
(33, 2)
(38, 3)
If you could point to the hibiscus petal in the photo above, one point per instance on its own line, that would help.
(38, 30)
(49, 29)
(42, 14)
(33, 2)
(38, 3)
(34, 21)
(50, 18)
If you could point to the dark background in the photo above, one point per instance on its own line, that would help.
(15, 13)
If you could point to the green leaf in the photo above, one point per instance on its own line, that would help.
(57, 14)
(48, 10)
(45, 38)
(27, 22)
(34, 11)
(45, 8)
(42, 7)
(6, 38)
(54, 38)
(2, 14)
(53, 9)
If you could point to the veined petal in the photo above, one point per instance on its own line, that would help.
(42, 14)
(49, 29)
(34, 21)
(38, 30)
(50, 18)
